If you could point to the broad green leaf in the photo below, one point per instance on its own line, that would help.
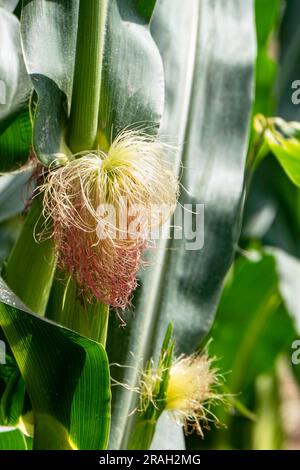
(33, 286)
(198, 274)
(209, 91)
(132, 91)
(66, 376)
(14, 440)
(15, 85)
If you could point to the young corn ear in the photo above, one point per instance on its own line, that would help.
(191, 390)
(185, 387)
(103, 207)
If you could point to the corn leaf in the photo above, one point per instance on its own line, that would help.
(14, 440)
(132, 90)
(15, 88)
(209, 93)
(66, 376)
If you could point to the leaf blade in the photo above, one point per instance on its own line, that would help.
(57, 388)
(183, 287)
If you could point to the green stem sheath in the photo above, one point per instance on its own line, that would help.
(87, 75)
(69, 307)
(142, 434)
(30, 267)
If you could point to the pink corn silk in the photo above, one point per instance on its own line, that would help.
(105, 268)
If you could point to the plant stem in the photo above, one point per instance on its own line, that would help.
(142, 435)
(30, 267)
(67, 305)
(87, 75)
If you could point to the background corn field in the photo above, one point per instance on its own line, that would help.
(196, 72)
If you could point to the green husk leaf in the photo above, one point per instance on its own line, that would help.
(32, 285)
(68, 306)
(147, 416)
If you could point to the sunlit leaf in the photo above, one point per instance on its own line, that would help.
(66, 376)
(14, 440)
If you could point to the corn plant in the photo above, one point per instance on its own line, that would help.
(126, 104)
